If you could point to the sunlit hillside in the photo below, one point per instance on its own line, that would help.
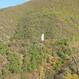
(22, 53)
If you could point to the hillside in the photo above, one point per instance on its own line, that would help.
(24, 56)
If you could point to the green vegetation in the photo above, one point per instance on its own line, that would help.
(3, 49)
(64, 51)
(14, 63)
(36, 57)
(23, 55)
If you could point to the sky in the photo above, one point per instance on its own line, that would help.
(8, 3)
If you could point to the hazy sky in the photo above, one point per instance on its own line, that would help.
(7, 3)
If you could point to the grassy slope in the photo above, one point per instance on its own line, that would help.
(22, 27)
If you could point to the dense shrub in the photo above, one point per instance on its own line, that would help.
(36, 57)
(14, 63)
(62, 49)
(3, 49)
